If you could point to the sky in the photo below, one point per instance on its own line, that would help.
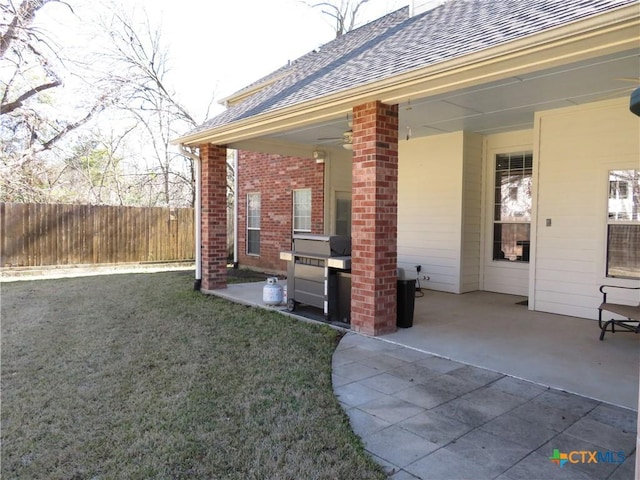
(234, 43)
(218, 47)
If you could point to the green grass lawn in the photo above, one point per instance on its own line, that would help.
(137, 376)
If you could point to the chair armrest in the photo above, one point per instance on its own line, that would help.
(604, 294)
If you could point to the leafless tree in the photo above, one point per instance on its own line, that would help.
(51, 150)
(20, 38)
(140, 74)
(343, 12)
(30, 125)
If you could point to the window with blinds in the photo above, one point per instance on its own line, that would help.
(302, 210)
(253, 224)
(512, 206)
(623, 224)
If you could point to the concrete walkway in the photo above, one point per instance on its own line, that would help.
(423, 416)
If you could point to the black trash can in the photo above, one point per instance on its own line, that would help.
(406, 303)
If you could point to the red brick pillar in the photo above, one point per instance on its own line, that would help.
(214, 216)
(374, 218)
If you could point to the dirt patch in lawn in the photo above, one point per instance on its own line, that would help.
(137, 376)
(242, 275)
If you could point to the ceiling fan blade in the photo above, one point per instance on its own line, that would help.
(621, 92)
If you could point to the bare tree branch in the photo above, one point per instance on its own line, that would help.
(72, 126)
(17, 103)
(21, 21)
(344, 13)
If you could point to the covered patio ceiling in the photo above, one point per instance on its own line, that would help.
(505, 105)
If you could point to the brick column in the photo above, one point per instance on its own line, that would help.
(374, 218)
(214, 216)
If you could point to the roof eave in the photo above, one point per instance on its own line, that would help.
(603, 34)
(247, 92)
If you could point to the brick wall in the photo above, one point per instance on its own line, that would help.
(374, 218)
(275, 177)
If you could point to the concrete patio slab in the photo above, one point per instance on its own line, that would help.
(489, 452)
(491, 331)
(398, 446)
(470, 423)
(483, 388)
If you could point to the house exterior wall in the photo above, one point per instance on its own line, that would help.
(337, 181)
(471, 212)
(439, 210)
(443, 182)
(430, 209)
(275, 177)
(576, 147)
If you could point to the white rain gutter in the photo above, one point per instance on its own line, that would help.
(198, 214)
(235, 209)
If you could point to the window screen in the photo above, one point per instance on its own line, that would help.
(253, 224)
(623, 229)
(512, 206)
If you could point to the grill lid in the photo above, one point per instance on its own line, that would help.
(331, 245)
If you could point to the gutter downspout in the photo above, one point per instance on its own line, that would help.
(235, 209)
(198, 215)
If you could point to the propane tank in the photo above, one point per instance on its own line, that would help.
(272, 292)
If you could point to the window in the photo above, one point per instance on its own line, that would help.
(302, 210)
(253, 224)
(623, 229)
(512, 207)
(618, 189)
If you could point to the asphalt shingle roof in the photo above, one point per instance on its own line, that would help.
(397, 43)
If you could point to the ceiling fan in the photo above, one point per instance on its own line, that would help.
(622, 91)
(346, 139)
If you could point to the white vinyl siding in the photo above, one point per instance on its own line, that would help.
(342, 214)
(471, 213)
(578, 146)
(430, 209)
(337, 185)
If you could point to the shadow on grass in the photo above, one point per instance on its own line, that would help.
(243, 275)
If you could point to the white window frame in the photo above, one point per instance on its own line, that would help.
(511, 193)
(253, 223)
(621, 212)
(301, 223)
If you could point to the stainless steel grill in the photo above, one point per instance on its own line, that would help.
(318, 274)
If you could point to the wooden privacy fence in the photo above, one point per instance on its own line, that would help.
(47, 234)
